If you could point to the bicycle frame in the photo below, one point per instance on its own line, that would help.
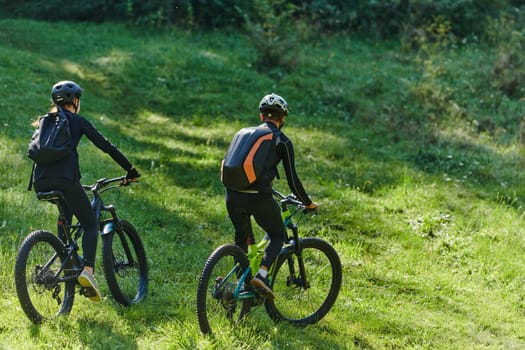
(73, 232)
(305, 278)
(256, 251)
(47, 265)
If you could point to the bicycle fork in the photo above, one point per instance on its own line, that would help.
(113, 226)
(300, 281)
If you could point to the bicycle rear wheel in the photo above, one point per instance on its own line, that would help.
(40, 285)
(297, 302)
(216, 305)
(125, 264)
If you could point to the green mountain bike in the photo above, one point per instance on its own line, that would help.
(47, 265)
(306, 278)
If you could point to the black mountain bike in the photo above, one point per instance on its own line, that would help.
(47, 265)
(306, 278)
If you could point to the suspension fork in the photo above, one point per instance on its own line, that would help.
(114, 227)
(298, 251)
(294, 247)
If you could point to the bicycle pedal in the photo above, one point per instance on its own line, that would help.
(88, 292)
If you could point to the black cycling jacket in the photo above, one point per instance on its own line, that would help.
(68, 167)
(283, 152)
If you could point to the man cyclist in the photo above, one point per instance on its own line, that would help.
(257, 200)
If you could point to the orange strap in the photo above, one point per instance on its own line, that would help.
(248, 162)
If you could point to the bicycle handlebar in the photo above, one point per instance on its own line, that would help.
(290, 199)
(103, 182)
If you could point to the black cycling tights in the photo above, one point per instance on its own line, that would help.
(76, 203)
(267, 214)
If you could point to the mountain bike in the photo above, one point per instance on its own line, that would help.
(47, 265)
(305, 278)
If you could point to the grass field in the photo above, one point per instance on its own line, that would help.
(416, 158)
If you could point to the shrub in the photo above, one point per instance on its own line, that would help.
(271, 31)
(507, 34)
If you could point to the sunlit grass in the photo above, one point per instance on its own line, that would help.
(426, 214)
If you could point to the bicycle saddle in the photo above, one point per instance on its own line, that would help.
(50, 196)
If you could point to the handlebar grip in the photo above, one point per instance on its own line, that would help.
(310, 210)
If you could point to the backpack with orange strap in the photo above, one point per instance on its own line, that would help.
(246, 157)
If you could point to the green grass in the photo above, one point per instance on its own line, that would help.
(424, 206)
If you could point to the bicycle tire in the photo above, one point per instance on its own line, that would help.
(292, 302)
(125, 264)
(41, 294)
(216, 308)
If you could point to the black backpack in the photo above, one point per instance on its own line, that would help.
(246, 157)
(51, 141)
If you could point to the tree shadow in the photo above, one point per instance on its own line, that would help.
(89, 334)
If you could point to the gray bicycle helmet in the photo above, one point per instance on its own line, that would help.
(64, 92)
(273, 102)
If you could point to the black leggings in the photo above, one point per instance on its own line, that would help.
(267, 214)
(76, 203)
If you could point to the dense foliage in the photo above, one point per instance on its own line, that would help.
(381, 18)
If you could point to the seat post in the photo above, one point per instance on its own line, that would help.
(56, 197)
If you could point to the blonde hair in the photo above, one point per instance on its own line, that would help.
(36, 121)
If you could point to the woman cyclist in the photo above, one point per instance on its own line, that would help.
(64, 175)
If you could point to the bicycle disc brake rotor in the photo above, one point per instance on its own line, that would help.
(120, 268)
(296, 282)
(123, 267)
(43, 280)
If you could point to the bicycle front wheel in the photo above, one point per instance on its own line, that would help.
(217, 307)
(305, 301)
(125, 265)
(42, 285)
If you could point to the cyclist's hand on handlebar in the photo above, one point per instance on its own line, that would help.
(311, 207)
(131, 176)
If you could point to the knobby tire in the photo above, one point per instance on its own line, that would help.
(125, 265)
(40, 292)
(216, 307)
(292, 301)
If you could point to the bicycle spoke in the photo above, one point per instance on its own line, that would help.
(40, 280)
(218, 306)
(305, 303)
(125, 265)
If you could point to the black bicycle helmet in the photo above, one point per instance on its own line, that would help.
(273, 102)
(64, 92)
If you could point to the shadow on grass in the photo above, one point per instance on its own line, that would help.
(98, 334)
